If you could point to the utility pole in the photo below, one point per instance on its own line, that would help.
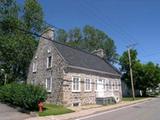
(131, 72)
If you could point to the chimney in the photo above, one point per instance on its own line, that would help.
(99, 52)
(48, 33)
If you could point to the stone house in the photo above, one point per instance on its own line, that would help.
(71, 76)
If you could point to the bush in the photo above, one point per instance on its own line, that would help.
(23, 95)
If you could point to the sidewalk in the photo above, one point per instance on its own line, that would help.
(80, 112)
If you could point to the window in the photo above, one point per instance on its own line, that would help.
(87, 85)
(107, 86)
(49, 61)
(49, 84)
(110, 85)
(116, 84)
(76, 84)
(34, 67)
(33, 82)
(104, 84)
(119, 85)
(96, 84)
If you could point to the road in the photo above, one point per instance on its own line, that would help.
(9, 113)
(149, 110)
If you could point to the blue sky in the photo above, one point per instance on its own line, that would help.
(125, 21)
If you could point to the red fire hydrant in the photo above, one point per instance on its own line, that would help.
(40, 106)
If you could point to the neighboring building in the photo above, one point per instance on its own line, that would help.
(71, 76)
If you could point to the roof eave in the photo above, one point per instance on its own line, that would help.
(98, 71)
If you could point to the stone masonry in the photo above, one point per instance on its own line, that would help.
(61, 92)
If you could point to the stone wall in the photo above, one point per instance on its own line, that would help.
(83, 97)
(46, 48)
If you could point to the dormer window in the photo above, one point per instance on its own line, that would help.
(49, 62)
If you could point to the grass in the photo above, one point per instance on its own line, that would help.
(51, 109)
(131, 99)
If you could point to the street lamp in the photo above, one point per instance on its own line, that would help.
(5, 76)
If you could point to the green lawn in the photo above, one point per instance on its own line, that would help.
(131, 99)
(51, 109)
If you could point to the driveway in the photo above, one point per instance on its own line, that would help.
(9, 113)
(143, 111)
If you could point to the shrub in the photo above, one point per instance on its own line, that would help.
(23, 95)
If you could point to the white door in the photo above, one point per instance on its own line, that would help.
(100, 90)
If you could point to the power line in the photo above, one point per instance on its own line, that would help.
(120, 31)
(104, 21)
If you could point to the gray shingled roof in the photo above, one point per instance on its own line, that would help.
(79, 58)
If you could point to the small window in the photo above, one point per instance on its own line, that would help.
(75, 104)
(49, 84)
(33, 82)
(49, 50)
(34, 67)
(49, 62)
(76, 84)
(87, 85)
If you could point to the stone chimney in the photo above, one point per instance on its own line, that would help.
(48, 33)
(99, 52)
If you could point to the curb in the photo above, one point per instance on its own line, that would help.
(129, 104)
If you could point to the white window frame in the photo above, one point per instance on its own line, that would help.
(119, 84)
(116, 85)
(85, 85)
(110, 85)
(96, 84)
(34, 67)
(79, 83)
(50, 84)
(48, 62)
(104, 85)
(107, 84)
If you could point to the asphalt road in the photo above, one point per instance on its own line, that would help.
(9, 113)
(149, 110)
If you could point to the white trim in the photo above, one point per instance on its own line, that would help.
(34, 67)
(50, 84)
(116, 85)
(89, 84)
(110, 85)
(96, 85)
(79, 82)
(93, 70)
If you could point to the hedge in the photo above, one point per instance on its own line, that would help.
(23, 95)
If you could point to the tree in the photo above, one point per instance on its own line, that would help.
(9, 11)
(145, 76)
(33, 15)
(61, 36)
(124, 63)
(16, 46)
(110, 51)
(150, 78)
(89, 39)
